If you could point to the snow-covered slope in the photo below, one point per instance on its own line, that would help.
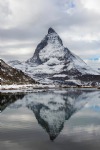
(52, 59)
(14, 62)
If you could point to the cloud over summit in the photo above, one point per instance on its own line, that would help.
(24, 23)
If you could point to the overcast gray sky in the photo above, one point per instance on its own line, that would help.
(24, 23)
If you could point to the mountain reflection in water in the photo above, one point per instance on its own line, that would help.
(51, 109)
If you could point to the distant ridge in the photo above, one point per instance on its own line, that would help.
(9, 75)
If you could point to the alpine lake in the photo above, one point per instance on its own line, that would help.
(61, 119)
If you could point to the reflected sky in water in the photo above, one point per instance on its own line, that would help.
(70, 118)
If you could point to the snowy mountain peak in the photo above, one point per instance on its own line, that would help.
(54, 62)
(51, 30)
(55, 58)
(50, 47)
(53, 37)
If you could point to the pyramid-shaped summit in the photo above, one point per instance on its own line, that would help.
(51, 30)
(52, 61)
(50, 51)
(50, 47)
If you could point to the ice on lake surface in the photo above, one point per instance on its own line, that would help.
(57, 120)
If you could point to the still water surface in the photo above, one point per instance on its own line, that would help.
(52, 120)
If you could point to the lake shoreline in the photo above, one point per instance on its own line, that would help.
(31, 87)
